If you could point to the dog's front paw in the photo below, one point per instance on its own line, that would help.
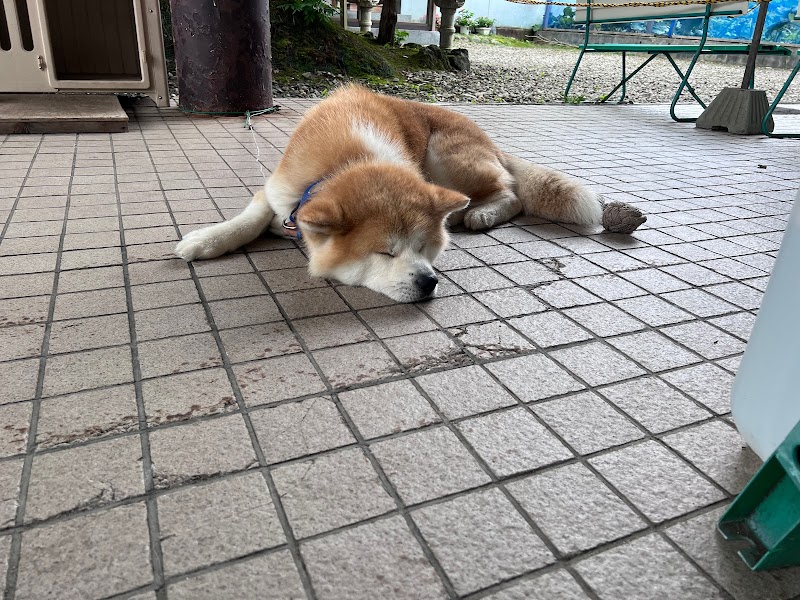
(481, 217)
(196, 245)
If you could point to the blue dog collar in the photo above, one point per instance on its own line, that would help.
(291, 222)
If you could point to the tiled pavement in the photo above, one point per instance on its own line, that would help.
(555, 426)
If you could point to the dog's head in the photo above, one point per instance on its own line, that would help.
(380, 226)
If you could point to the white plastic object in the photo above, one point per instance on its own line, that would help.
(765, 401)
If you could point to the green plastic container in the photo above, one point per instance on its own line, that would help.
(767, 512)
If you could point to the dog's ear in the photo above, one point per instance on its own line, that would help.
(321, 217)
(447, 201)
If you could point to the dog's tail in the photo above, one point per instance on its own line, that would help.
(552, 195)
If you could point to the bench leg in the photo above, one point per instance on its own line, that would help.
(625, 79)
(622, 98)
(574, 72)
(774, 105)
(685, 80)
(689, 87)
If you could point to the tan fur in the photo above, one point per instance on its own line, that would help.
(392, 172)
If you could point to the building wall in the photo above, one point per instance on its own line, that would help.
(506, 14)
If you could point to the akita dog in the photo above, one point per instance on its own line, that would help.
(370, 182)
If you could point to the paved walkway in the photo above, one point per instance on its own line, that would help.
(555, 426)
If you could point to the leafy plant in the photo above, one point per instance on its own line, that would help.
(308, 12)
(484, 22)
(399, 37)
(464, 18)
(574, 99)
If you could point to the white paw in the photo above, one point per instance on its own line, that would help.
(198, 244)
(480, 217)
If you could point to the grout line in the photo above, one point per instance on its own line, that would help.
(153, 524)
(25, 478)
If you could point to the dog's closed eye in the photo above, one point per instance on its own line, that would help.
(390, 254)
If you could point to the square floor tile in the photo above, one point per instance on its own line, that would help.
(428, 464)
(267, 577)
(170, 321)
(513, 441)
(168, 293)
(480, 539)
(10, 474)
(510, 302)
(259, 341)
(237, 312)
(574, 508)
(200, 449)
(331, 330)
(604, 320)
(610, 287)
(18, 380)
(555, 584)
(280, 378)
(426, 351)
(653, 310)
(655, 281)
(79, 417)
(331, 491)
(491, 340)
(629, 571)
(706, 340)
(21, 341)
(534, 377)
(656, 481)
(654, 405)
(479, 279)
(708, 384)
(526, 273)
(91, 303)
(739, 324)
(400, 319)
(653, 350)
(187, 396)
(548, 329)
(310, 303)
(466, 391)
(596, 363)
(456, 310)
(700, 303)
(59, 550)
(86, 370)
(85, 477)
(24, 311)
(358, 363)
(375, 560)
(224, 287)
(89, 333)
(217, 521)
(299, 428)
(563, 294)
(587, 422)
(387, 408)
(717, 449)
(176, 355)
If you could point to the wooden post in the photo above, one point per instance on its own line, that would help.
(223, 54)
(750, 69)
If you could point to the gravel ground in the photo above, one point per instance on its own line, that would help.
(538, 75)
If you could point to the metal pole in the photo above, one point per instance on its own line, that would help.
(750, 70)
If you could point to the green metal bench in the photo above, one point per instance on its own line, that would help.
(590, 16)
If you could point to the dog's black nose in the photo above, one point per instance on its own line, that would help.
(426, 283)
